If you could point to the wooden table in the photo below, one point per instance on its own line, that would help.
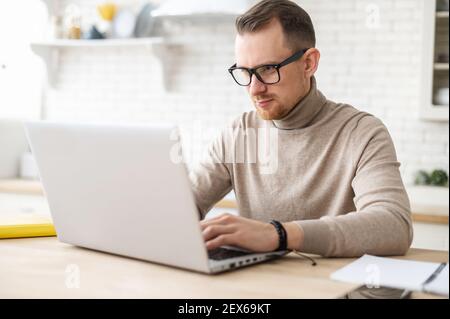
(46, 268)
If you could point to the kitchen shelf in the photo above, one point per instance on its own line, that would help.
(65, 43)
(161, 47)
(49, 51)
(442, 14)
(441, 66)
(434, 73)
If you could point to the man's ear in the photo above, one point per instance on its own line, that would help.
(311, 62)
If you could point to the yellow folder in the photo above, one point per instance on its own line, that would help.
(25, 225)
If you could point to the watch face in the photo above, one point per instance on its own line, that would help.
(124, 23)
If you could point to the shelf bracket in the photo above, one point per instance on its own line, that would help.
(164, 52)
(50, 57)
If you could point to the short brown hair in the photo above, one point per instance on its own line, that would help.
(296, 22)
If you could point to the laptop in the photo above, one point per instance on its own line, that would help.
(123, 189)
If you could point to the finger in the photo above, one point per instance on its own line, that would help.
(220, 241)
(216, 230)
(216, 218)
(223, 219)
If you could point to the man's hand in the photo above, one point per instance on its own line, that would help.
(247, 233)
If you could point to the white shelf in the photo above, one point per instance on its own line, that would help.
(442, 14)
(61, 43)
(49, 51)
(132, 42)
(434, 112)
(430, 69)
(441, 66)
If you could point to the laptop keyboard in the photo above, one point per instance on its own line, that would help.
(223, 253)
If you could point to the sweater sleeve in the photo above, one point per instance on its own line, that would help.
(381, 224)
(211, 178)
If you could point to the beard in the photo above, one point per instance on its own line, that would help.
(276, 111)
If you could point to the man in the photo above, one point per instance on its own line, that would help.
(336, 189)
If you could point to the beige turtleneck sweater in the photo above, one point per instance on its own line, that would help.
(326, 166)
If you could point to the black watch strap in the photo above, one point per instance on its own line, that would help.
(282, 234)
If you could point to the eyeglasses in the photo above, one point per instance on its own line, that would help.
(267, 73)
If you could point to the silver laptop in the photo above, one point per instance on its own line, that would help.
(122, 189)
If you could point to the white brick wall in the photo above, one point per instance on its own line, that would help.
(372, 64)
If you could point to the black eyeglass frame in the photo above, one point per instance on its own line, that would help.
(297, 55)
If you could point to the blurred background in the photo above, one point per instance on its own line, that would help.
(166, 61)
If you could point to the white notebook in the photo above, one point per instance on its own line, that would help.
(394, 273)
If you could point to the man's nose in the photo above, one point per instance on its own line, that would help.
(256, 87)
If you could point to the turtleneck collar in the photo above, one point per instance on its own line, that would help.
(304, 112)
